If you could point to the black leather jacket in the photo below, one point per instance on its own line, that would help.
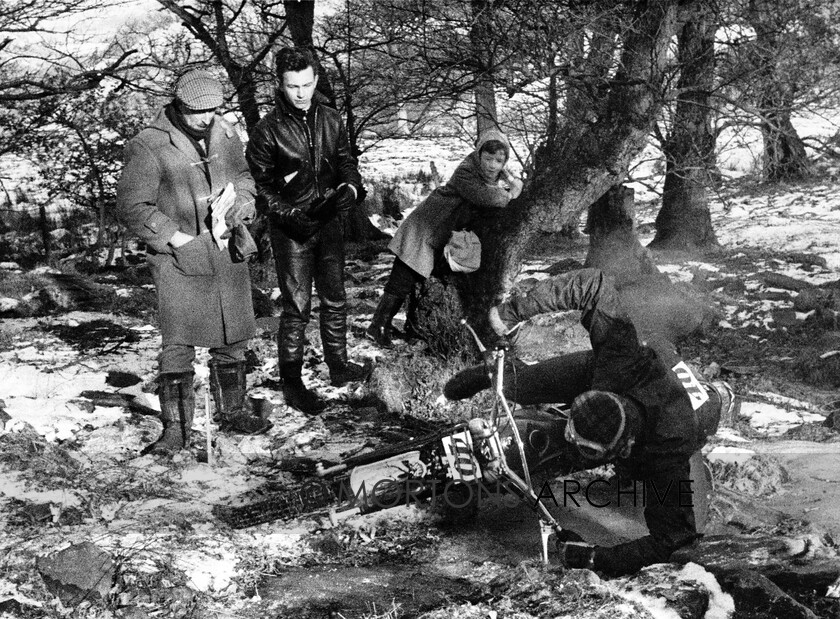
(282, 143)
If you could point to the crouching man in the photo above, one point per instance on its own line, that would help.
(632, 405)
(186, 191)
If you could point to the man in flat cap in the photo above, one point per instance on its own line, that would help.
(186, 191)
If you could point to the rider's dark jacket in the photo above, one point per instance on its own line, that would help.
(626, 366)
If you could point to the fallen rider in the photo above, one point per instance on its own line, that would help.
(632, 405)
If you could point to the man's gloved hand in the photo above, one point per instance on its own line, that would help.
(236, 215)
(297, 225)
(345, 197)
(574, 551)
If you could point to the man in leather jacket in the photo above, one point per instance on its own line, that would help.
(306, 179)
(633, 404)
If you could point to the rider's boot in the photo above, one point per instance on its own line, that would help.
(177, 406)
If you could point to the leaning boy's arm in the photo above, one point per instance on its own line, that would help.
(476, 190)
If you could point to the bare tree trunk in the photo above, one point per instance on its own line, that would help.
(785, 158)
(300, 17)
(480, 38)
(587, 157)
(613, 244)
(684, 221)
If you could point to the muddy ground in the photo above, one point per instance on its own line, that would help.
(73, 472)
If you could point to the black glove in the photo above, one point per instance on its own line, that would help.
(567, 535)
(575, 555)
(323, 209)
(345, 198)
(295, 224)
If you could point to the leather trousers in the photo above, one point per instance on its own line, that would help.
(318, 260)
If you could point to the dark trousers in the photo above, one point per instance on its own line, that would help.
(402, 279)
(555, 380)
(179, 358)
(319, 260)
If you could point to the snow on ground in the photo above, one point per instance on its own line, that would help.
(40, 377)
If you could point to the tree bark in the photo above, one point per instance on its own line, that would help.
(484, 92)
(785, 158)
(590, 155)
(300, 17)
(684, 221)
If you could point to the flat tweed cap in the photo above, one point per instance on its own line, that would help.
(199, 90)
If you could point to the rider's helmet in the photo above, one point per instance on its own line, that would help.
(600, 424)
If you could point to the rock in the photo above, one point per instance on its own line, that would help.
(80, 572)
(687, 592)
(120, 379)
(779, 280)
(804, 561)
(832, 421)
(811, 299)
(757, 597)
(54, 299)
(9, 266)
(9, 306)
(132, 612)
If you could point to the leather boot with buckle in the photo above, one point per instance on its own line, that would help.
(228, 385)
(177, 406)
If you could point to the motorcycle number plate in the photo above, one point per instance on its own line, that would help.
(460, 460)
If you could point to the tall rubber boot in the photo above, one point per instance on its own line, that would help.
(177, 406)
(228, 385)
(295, 393)
(380, 325)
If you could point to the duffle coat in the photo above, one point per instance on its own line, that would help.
(422, 236)
(204, 297)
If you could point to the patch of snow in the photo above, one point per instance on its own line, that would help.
(656, 606)
(728, 434)
(57, 419)
(207, 573)
(721, 604)
(729, 455)
(7, 304)
(12, 487)
(773, 420)
(9, 266)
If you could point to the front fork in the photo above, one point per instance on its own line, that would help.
(493, 462)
